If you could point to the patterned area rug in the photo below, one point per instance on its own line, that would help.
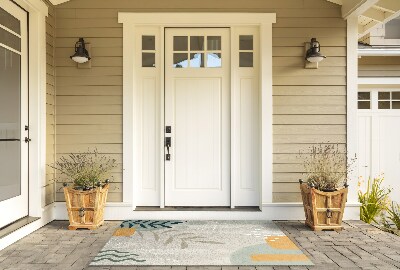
(150, 242)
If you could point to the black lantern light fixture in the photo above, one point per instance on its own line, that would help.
(313, 54)
(81, 54)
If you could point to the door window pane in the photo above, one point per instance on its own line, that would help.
(180, 60)
(148, 43)
(9, 21)
(384, 95)
(197, 60)
(10, 123)
(180, 43)
(196, 43)
(245, 59)
(364, 95)
(396, 105)
(364, 105)
(10, 40)
(148, 59)
(383, 105)
(396, 95)
(246, 42)
(214, 43)
(214, 60)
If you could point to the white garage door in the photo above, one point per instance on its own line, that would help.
(379, 136)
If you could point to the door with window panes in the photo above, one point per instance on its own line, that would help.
(13, 113)
(197, 110)
(379, 136)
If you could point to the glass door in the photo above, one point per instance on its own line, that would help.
(13, 113)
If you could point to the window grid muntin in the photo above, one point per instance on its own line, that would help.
(205, 52)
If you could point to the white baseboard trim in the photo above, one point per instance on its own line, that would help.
(47, 216)
(270, 211)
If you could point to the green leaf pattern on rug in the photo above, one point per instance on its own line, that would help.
(149, 224)
(116, 256)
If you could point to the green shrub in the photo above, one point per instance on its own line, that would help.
(393, 214)
(374, 200)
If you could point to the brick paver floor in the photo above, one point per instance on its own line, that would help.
(358, 246)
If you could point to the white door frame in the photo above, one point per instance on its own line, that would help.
(131, 117)
(37, 12)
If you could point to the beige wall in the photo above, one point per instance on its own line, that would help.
(379, 66)
(50, 105)
(309, 105)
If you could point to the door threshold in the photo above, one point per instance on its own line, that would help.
(16, 225)
(202, 208)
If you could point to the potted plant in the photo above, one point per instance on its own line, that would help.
(87, 196)
(324, 191)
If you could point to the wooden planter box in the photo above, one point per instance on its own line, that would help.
(86, 208)
(323, 210)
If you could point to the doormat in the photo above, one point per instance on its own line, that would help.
(162, 242)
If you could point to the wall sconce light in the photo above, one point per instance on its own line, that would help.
(81, 54)
(313, 55)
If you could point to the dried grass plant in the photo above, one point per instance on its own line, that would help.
(85, 169)
(326, 167)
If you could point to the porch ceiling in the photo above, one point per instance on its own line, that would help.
(371, 13)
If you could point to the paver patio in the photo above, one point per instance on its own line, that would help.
(358, 246)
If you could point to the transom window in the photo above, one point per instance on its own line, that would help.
(381, 100)
(389, 100)
(197, 52)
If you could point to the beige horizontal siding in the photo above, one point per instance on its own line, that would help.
(309, 104)
(379, 66)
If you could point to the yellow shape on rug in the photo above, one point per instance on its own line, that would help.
(281, 242)
(124, 232)
(279, 257)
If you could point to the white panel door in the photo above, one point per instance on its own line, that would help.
(389, 153)
(378, 137)
(13, 113)
(197, 108)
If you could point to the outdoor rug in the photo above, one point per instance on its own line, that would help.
(151, 243)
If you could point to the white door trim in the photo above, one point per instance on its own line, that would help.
(131, 118)
(37, 12)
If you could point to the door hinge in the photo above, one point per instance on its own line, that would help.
(27, 140)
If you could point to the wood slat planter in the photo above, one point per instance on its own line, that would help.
(323, 210)
(86, 208)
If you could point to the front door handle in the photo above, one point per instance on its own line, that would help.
(168, 145)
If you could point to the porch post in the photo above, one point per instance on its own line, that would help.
(352, 88)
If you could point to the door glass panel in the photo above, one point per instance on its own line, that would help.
(197, 60)
(180, 60)
(214, 43)
(196, 43)
(9, 21)
(396, 95)
(364, 95)
(384, 95)
(245, 59)
(214, 60)
(10, 40)
(148, 59)
(10, 123)
(148, 43)
(396, 105)
(383, 105)
(364, 105)
(246, 42)
(180, 43)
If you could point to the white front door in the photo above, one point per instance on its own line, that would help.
(379, 133)
(13, 113)
(197, 110)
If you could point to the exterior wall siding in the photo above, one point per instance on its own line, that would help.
(49, 186)
(309, 104)
(379, 66)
